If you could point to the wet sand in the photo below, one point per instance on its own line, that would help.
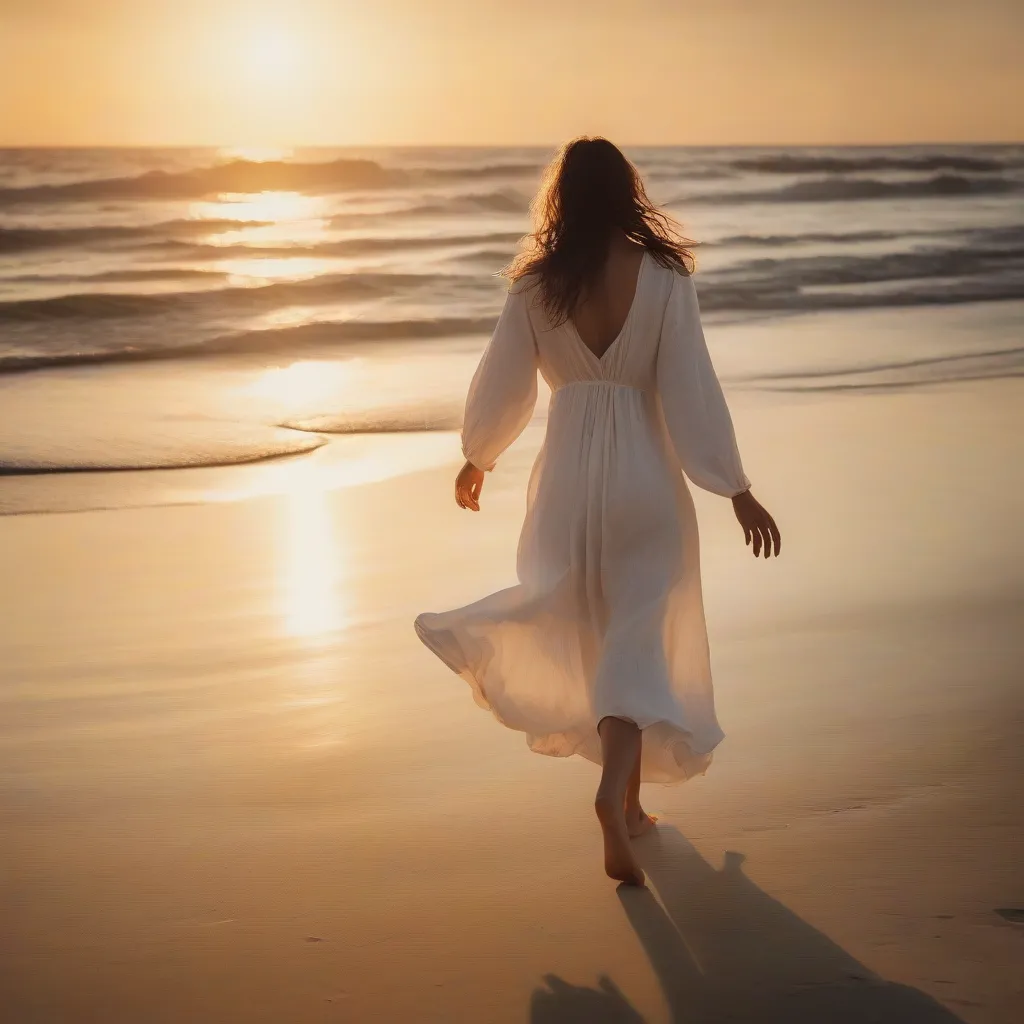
(236, 788)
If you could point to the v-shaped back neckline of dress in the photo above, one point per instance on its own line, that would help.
(599, 359)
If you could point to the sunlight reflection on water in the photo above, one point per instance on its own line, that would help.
(260, 206)
(260, 270)
(255, 154)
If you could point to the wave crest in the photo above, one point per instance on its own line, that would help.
(278, 442)
(401, 420)
(236, 176)
(801, 163)
(326, 288)
(925, 277)
(29, 239)
(828, 190)
(484, 171)
(319, 334)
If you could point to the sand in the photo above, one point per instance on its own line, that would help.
(236, 788)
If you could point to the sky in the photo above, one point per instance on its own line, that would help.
(515, 72)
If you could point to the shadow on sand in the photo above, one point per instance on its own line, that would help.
(723, 950)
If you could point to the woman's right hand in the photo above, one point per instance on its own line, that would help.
(468, 485)
(759, 528)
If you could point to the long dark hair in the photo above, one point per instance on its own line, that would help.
(590, 191)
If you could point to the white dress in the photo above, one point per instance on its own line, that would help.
(608, 617)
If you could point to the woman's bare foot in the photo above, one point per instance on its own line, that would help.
(618, 857)
(639, 822)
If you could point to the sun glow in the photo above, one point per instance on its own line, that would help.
(272, 68)
(270, 53)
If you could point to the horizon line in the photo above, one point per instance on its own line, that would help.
(504, 145)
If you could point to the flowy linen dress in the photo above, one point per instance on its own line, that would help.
(607, 618)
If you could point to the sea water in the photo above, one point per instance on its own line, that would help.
(178, 309)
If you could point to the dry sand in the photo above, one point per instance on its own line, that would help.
(236, 788)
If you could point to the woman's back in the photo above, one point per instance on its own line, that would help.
(601, 314)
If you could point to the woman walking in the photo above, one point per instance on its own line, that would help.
(601, 650)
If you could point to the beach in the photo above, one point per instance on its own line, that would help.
(266, 312)
(236, 787)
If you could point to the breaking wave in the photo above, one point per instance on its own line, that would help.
(826, 190)
(286, 442)
(335, 287)
(368, 245)
(319, 334)
(800, 163)
(14, 240)
(924, 277)
(235, 176)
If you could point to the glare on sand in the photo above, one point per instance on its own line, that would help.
(308, 385)
(398, 393)
(313, 593)
(317, 586)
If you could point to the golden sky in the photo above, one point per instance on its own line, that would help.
(479, 72)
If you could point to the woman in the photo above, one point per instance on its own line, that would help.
(602, 648)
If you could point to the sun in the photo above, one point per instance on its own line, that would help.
(271, 55)
(275, 72)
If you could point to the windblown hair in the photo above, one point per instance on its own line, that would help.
(590, 191)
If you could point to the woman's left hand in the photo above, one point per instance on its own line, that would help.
(759, 528)
(468, 485)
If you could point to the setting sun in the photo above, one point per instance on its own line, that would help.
(271, 55)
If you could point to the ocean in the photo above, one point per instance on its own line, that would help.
(175, 309)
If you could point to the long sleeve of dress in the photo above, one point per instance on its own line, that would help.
(692, 401)
(503, 392)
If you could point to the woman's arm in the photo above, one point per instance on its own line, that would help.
(501, 397)
(698, 420)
